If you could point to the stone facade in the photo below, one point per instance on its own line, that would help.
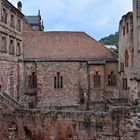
(129, 53)
(11, 30)
(78, 83)
(65, 85)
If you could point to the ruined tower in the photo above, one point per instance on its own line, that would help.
(129, 53)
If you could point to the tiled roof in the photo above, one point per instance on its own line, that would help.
(64, 45)
(33, 19)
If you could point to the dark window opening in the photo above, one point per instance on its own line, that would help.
(12, 21)
(31, 105)
(99, 126)
(97, 79)
(127, 27)
(4, 16)
(28, 133)
(18, 49)
(11, 47)
(70, 136)
(125, 84)
(0, 89)
(126, 59)
(58, 81)
(18, 25)
(111, 79)
(33, 80)
(4, 44)
(123, 30)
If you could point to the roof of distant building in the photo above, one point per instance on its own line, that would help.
(33, 19)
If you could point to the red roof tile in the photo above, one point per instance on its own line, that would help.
(63, 45)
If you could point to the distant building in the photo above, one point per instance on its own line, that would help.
(35, 22)
(129, 64)
(68, 69)
(111, 46)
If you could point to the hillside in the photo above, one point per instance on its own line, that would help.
(112, 39)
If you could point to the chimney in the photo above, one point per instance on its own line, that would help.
(19, 6)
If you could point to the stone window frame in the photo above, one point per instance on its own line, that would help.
(18, 24)
(12, 20)
(58, 81)
(18, 48)
(32, 80)
(4, 46)
(112, 79)
(125, 84)
(97, 79)
(11, 46)
(4, 15)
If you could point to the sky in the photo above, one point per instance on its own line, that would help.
(98, 18)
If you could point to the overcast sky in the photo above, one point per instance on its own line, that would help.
(98, 18)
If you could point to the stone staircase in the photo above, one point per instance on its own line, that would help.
(6, 99)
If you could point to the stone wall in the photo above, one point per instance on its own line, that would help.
(47, 95)
(114, 124)
(78, 83)
(104, 91)
(9, 78)
(126, 53)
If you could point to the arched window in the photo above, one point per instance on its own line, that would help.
(126, 59)
(97, 79)
(111, 79)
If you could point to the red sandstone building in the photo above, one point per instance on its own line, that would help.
(57, 85)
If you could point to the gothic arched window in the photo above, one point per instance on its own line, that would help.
(97, 79)
(111, 79)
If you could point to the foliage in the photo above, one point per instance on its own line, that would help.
(112, 39)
